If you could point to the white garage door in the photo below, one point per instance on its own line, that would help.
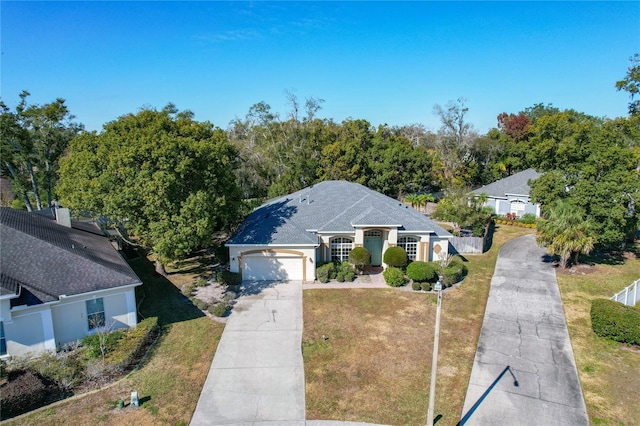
(272, 268)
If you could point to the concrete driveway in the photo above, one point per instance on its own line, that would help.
(257, 374)
(524, 372)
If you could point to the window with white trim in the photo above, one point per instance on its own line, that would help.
(95, 313)
(410, 245)
(3, 340)
(340, 248)
(517, 207)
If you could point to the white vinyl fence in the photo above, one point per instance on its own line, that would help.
(630, 295)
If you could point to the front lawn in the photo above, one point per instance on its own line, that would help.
(609, 371)
(171, 378)
(374, 362)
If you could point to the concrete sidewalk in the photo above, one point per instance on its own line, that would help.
(257, 374)
(524, 371)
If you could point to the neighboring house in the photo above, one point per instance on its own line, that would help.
(511, 194)
(287, 237)
(58, 283)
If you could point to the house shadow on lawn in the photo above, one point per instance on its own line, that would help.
(159, 297)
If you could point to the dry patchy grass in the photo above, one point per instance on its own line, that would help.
(170, 381)
(609, 371)
(375, 363)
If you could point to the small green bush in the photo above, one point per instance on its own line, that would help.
(200, 304)
(616, 321)
(218, 310)
(395, 256)
(340, 277)
(528, 218)
(426, 286)
(92, 342)
(416, 286)
(187, 289)
(360, 257)
(453, 273)
(422, 271)
(324, 272)
(394, 277)
(229, 278)
(346, 270)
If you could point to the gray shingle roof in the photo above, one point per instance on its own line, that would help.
(49, 260)
(330, 206)
(514, 184)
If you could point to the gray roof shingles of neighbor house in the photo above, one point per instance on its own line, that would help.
(330, 206)
(48, 260)
(516, 184)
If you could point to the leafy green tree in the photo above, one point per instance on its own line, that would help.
(466, 209)
(164, 177)
(33, 138)
(566, 232)
(631, 84)
(346, 158)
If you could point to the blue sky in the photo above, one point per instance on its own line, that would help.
(386, 62)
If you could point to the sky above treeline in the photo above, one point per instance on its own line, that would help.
(386, 62)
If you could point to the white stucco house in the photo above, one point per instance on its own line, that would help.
(511, 194)
(58, 283)
(286, 237)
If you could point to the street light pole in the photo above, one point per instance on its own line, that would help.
(434, 359)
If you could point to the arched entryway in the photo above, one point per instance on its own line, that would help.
(373, 242)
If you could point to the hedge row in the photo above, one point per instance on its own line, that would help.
(425, 274)
(616, 321)
(515, 223)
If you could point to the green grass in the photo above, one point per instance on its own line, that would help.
(608, 370)
(170, 380)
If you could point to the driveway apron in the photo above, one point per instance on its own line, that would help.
(257, 374)
(524, 371)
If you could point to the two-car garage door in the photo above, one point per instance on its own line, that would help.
(260, 267)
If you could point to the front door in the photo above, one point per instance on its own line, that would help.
(374, 243)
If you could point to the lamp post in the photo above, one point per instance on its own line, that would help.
(434, 359)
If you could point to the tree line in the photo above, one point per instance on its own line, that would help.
(169, 180)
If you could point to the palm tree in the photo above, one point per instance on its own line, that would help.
(566, 233)
(423, 199)
(411, 199)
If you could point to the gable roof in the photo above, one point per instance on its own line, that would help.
(329, 206)
(515, 184)
(47, 260)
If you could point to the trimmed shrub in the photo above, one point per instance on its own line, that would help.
(453, 273)
(616, 321)
(340, 277)
(416, 286)
(422, 271)
(395, 256)
(394, 277)
(229, 278)
(218, 310)
(200, 304)
(324, 272)
(347, 271)
(110, 341)
(426, 286)
(528, 218)
(360, 257)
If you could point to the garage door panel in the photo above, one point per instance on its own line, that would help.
(272, 268)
